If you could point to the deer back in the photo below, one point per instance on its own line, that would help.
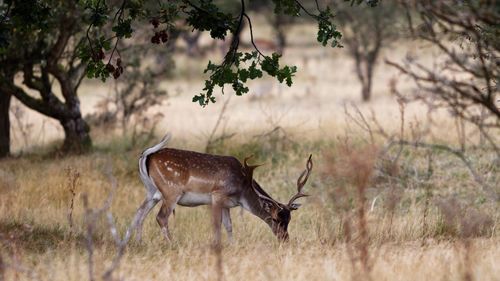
(194, 171)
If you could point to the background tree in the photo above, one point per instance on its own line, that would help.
(465, 79)
(5, 97)
(40, 43)
(4, 124)
(366, 31)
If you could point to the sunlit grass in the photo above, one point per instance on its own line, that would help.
(35, 230)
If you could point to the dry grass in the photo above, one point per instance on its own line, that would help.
(35, 230)
(293, 262)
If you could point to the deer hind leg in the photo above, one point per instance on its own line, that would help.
(167, 208)
(226, 220)
(149, 202)
(146, 207)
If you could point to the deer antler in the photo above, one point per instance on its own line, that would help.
(248, 170)
(301, 181)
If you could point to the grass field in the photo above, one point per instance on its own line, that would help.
(413, 240)
(370, 217)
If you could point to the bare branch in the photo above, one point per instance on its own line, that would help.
(210, 140)
(476, 176)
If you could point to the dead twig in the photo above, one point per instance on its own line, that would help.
(73, 176)
(91, 218)
(360, 120)
(211, 140)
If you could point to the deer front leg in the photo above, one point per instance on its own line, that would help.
(217, 203)
(226, 220)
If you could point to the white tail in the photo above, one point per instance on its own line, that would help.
(151, 188)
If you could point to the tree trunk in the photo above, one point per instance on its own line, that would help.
(280, 33)
(281, 41)
(4, 124)
(366, 90)
(76, 132)
(192, 42)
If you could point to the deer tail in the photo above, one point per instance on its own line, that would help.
(143, 169)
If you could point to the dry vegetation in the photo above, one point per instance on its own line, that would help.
(419, 227)
(381, 208)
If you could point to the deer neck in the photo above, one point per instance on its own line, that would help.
(250, 201)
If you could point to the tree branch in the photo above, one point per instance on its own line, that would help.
(120, 14)
(29, 101)
(487, 188)
(251, 34)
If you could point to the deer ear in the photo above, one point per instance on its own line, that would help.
(266, 205)
(294, 206)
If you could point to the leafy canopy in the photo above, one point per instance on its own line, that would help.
(110, 21)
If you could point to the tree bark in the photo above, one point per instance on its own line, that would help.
(4, 124)
(366, 90)
(76, 130)
(76, 135)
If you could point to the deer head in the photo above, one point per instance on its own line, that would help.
(278, 214)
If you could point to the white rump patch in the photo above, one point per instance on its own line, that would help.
(157, 195)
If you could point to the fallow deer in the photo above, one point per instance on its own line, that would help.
(187, 178)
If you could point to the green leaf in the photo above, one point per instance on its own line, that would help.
(99, 13)
(200, 99)
(286, 73)
(123, 28)
(209, 18)
(288, 7)
(243, 75)
(244, 67)
(327, 30)
(254, 72)
(271, 64)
